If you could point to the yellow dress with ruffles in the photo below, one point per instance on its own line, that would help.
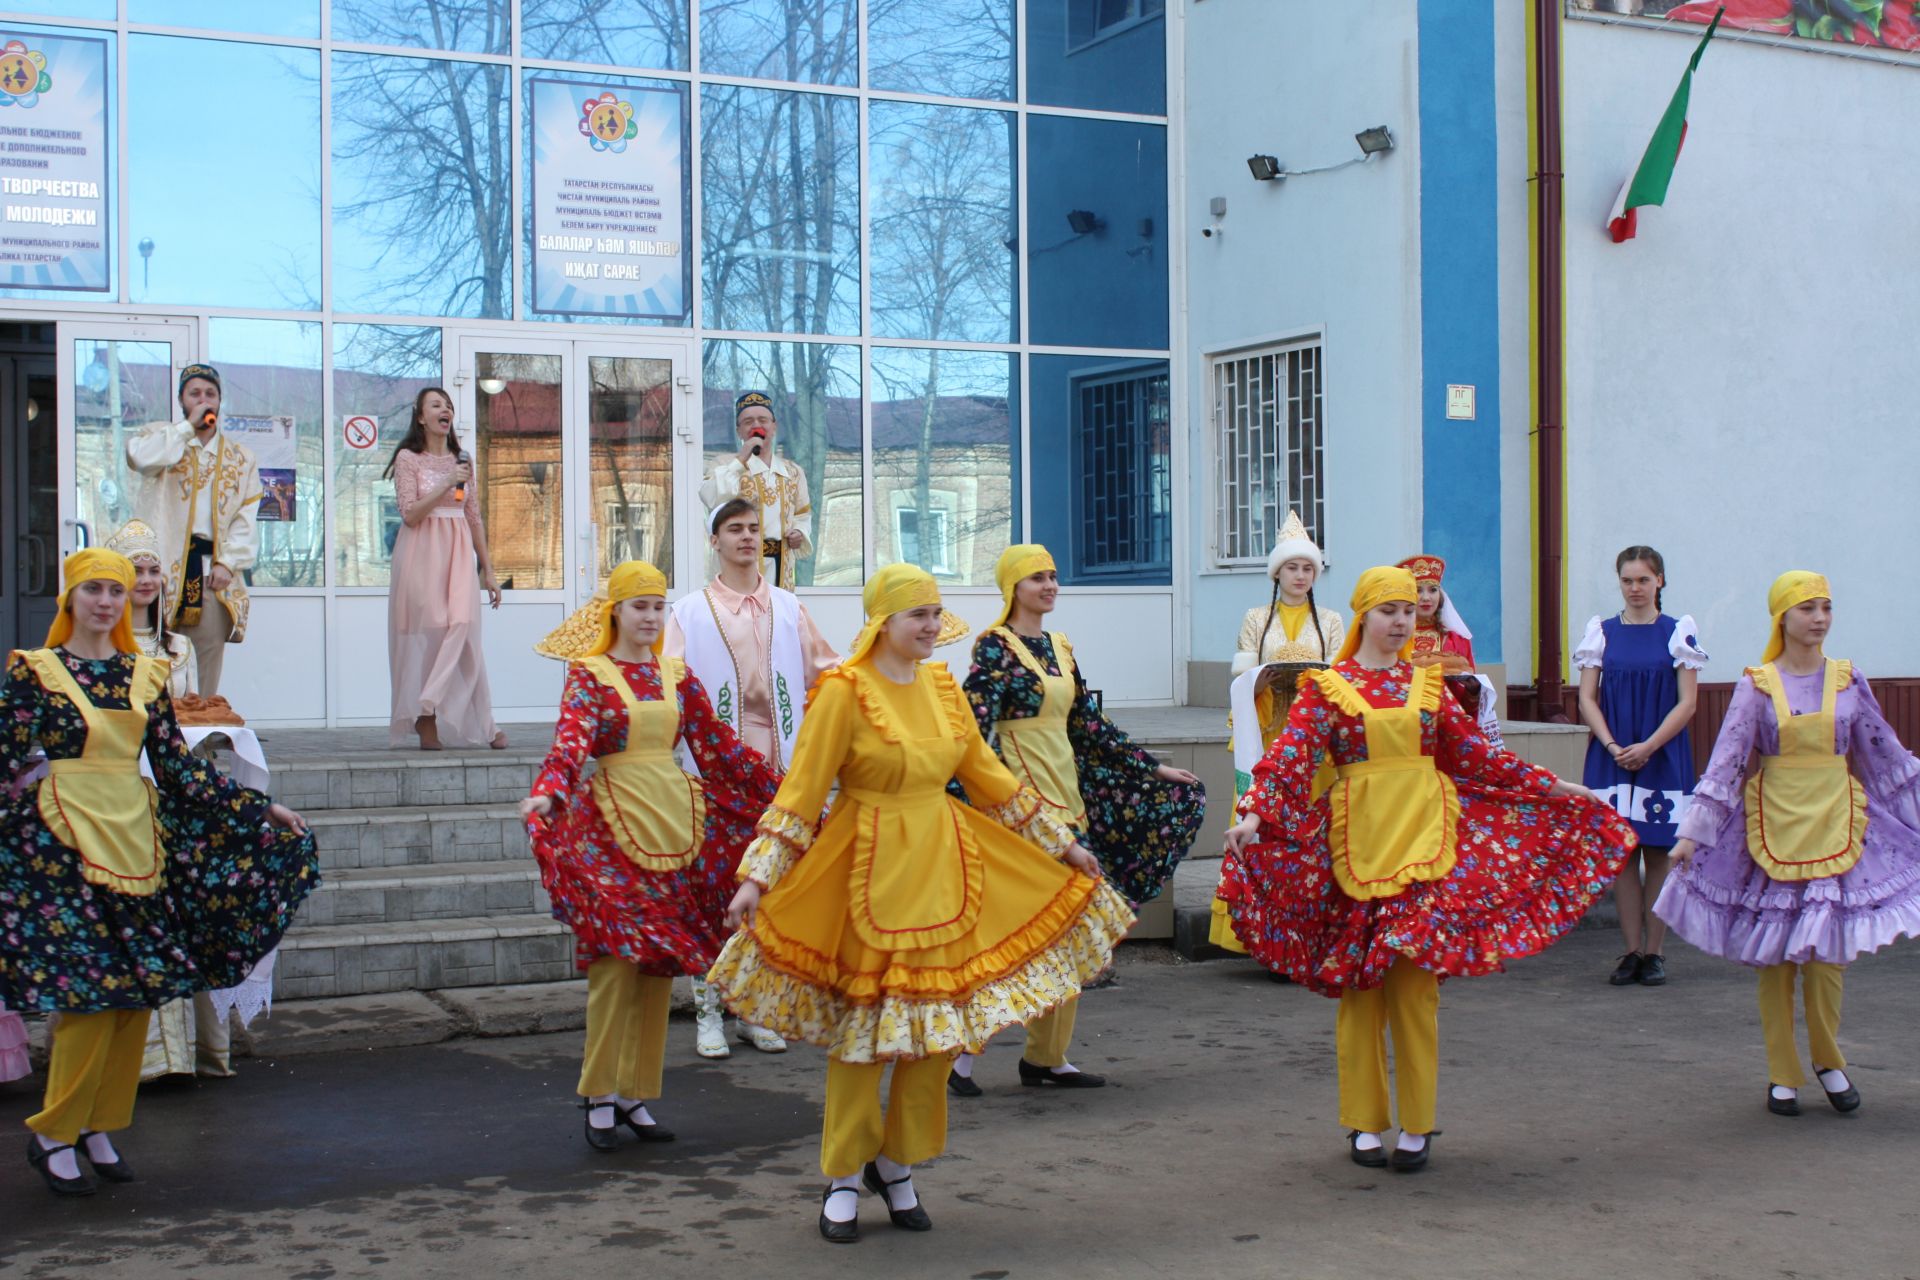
(913, 925)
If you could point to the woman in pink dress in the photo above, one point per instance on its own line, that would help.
(439, 676)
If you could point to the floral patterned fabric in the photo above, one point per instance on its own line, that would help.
(1528, 867)
(665, 922)
(1138, 826)
(233, 881)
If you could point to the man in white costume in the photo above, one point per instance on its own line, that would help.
(774, 485)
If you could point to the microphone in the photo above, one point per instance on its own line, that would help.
(759, 445)
(460, 490)
(209, 418)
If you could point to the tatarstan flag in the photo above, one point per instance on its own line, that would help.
(1648, 185)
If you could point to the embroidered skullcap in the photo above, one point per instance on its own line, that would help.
(751, 400)
(193, 371)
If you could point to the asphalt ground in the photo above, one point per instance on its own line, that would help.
(1587, 1131)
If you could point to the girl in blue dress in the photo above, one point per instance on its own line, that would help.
(1639, 673)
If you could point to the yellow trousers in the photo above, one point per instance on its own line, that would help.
(913, 1128)
(1820, 989)
(1408, 1003)
(1051, 1034)
(93, 1073)
(626, 1031)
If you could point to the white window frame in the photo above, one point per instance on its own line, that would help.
(941, 512)
(1220, 455)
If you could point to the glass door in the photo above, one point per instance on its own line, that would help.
(634, 455)
(29, 497)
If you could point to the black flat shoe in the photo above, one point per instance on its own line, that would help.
(1280, 978)
(839, 1232)
(1782, 1106)
(1032, 1075)
(121, 1171)
(914, 1219)
(1411, 1161)
(41, 1159)
(606, 1139)
(962, 1086)
(1653, 971)
(1627, 971)
(1848, 1099)
(655, 1132)
(1376, 1158)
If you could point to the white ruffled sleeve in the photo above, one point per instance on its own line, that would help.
(1685, 645)
(1592, 646)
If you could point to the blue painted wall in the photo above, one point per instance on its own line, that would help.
(1459, 308)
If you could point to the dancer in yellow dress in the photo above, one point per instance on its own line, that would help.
(913, 926)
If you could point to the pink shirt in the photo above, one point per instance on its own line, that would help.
(746, 623)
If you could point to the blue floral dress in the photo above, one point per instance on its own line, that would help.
(1639, 687)
(232, 880)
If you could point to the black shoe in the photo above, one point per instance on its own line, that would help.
(1653, 971)
(1782, 1106)
(645, 1132)
(1412, 1161)
(1848, 1099)
(1627, 971)
(40, 1158)
(839, 1232)
(962, 1086)
(1032, 1075)
(606, 1139)
(1373, 1159)
(120, 1171)
(914, 1219)
(1274, 976)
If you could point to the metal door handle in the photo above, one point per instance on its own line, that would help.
(86, 534)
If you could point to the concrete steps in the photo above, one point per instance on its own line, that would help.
(422, 955)
(434, 891)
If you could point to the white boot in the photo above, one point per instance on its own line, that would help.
(759, 1037)
(709, 1021)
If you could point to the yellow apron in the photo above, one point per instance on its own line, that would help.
(1806, 812)
(1395, 815)
(655, 810)
(97, 804)
(1036, 749)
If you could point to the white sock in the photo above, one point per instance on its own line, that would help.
(600, 1110)
(1364, 1141)
(100, 1148)
(902, 1197)
(1833, 1080)
(963, 1066)
(1065, 1069)
(66, 1164)
(637, 1109)
(1783, 1093)
(1411, 1141)
(843, 1208)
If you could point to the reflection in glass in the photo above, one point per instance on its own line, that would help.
(256, 244)
(612, 33)
(1102, 468)
(1104, 55)
(377, 372)
(781, 223)
(942, 221)
(949, 48)
(946, 477)
(422, 204)
(808, 41)
(517, 459)
(118, 387)
(815, 388)
(106, 10)
(270, 402)
(1097, 217)
(630, 439)
(279, 18)
(461, 26)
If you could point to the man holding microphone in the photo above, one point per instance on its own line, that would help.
(774, 485)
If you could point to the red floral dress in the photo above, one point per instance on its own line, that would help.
(1528, 865)
(666, 922)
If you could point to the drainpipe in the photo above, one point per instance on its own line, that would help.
(1549, 355)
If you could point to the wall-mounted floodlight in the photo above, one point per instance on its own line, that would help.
(1265, 168)
(1084, 222)
(1375, 140)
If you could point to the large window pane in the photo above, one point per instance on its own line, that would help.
(946, 467)
(780, 177)
(105, 10)
(518, 462)
(461, 26)
(810, 41)
(942, 222)
(1104, 55)
(422, 204)
(378, 370)
(81, 64)
(227, 197)
(1102, 468)
(613, 33)
(1097, 217)
(119, 387)
(816, 396)
(274, 18)
(270, 401)
(952, 48)
(630, 404)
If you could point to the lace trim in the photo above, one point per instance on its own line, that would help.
(1025, 814)
(779, 841)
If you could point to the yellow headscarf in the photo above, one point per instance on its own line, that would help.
(1018, 562)
(85, 565)
(1795, 586)
(1383, 584)
(896, 589)
(627, 581)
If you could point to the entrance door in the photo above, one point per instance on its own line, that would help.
(580, 450)
(29, 486)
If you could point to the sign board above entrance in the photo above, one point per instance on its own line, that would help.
(55, 227)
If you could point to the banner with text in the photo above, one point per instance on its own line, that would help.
(609, 190)
(54, 205)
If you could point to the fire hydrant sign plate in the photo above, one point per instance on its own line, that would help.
(361, 431)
